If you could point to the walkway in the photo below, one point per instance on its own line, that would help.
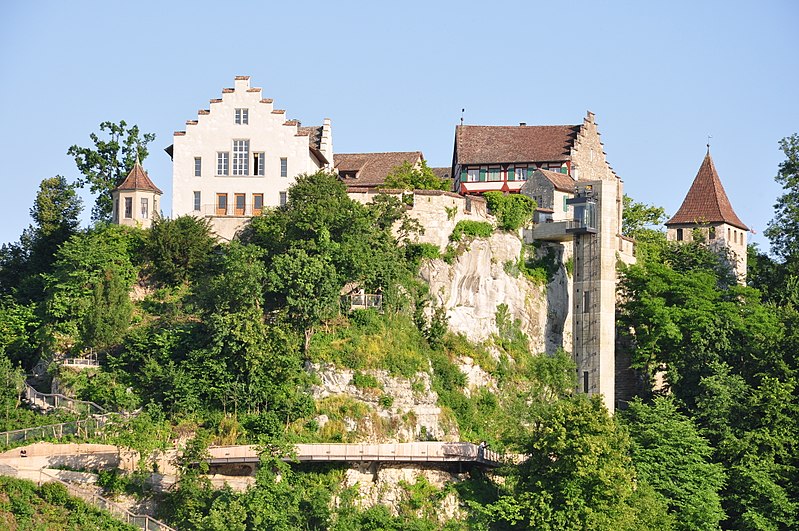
(414, 452)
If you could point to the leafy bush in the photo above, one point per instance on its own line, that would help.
(365, 381)
(513, 211)
(415, 251)
(476, 229)
(386, 401)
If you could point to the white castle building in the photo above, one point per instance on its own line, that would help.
(240, 156)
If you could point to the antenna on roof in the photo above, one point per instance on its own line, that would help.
(462, 111)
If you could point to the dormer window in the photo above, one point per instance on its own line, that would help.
(242, 116)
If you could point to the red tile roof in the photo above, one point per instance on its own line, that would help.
(371, 169)
(137, 179)
(560, 181)
(486, 144)
(706, 201)
(314, 134)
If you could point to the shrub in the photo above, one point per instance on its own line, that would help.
(513, 211)
(476, 229)
(386, 401)
(365, 381)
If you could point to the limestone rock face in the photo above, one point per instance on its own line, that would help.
(387, 485)
(479, 281)
(413, 414)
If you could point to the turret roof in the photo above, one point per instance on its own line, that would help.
(137, 179)
(706, 201)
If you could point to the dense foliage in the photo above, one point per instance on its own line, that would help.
(410, 177)
(219, 343)
(513, 211)
(23, 505)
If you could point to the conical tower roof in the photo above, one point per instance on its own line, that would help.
(706, 201)
(137, 179)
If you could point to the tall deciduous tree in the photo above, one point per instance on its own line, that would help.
(670, 455)
(104, 165)
(409, 177)
(578, 476)
(783, 230)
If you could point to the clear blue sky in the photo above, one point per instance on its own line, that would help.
(393, 76)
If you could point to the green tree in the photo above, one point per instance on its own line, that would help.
(670, 455)
(109, 314)
(783, 230)
(12, 383)
(513, 211)
(106, 164)
(578, 476)
(82, 264)
(642, 221)
(179, 248)
(410, 177)
(55, 219)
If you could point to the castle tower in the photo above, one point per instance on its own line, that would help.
(707, 210)
(136, 199)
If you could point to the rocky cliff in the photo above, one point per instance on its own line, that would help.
(485, 275)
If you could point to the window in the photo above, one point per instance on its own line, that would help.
(711, 233)
(242, 116)
(116, 210)
(145, 208)
(494, 174)
(565, 204)
(223, 163)
(679, 235)
(283, 198)
(198, 166)
(241, 157)
(473, 175)
(221, 204)
(197, 201)
(585, 381)
(128, 207)
(284, 167)
(258, 161)
(239, 204)
(520, 173)
(586, 301)
(728, 234)
(257, 204)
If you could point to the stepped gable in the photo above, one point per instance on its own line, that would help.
(314, 135)
(371, 169)
(706, 201)
(560, 181)
(490, 144)
(137, 179)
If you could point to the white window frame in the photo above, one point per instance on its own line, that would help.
(495, 171)
(284, 167)
(282, 198)
(128, 208)
(520, 173)
(473, 175)
(258, 163)
(242, 116)
(223, 163)
(145, 208)
(198, 166)
(241, 157)
(197, 201)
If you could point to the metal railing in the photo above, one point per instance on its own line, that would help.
(361, 301)
(57, 400)
(89, 360)
(80, 428)
(142, 521)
